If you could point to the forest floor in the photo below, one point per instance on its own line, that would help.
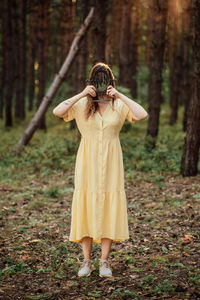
(37, 261)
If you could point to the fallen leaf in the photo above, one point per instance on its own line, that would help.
(187, 239)
(35, 241)
(110, 278)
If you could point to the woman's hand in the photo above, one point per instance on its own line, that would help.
(89, 90)
(112, 92)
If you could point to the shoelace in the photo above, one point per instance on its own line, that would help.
(106, 263)
(85, 262)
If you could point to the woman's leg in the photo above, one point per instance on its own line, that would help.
(87, 246)
(105, 247)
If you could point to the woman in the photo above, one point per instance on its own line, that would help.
(99, 209)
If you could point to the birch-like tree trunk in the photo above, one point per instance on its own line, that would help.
(33, 125)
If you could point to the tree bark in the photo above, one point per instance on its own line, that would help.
(99, 31)
(109, 47)
(124, 45)
(189, 163)
(32, 52)
(9, 81)
(17, 62)
(172, 32)
(27, 135)
(81, 59)
(148, 34)
(18, 45)
(186, 70)
(3, 55)
(134, 46)
(175, 82)
(21, 81)
(66, 30)
(176, 59)
(158, 11)
(43, 43)
(172, 46)
(116, 26)
(55, 21)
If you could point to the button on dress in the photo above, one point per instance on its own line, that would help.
(99, 204)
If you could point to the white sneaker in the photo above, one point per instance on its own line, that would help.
(86, 268)
(104, 268)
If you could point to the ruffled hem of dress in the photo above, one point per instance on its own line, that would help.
(99, 215)
(98, 240)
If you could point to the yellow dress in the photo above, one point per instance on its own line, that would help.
(99, 205)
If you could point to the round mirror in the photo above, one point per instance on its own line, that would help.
(101, 79)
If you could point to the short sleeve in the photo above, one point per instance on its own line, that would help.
(129, 116)
(75, 110)
(127, 113)
(70, 114)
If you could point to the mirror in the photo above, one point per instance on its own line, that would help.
(101, 79)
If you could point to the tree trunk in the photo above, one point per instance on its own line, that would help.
(176, 61)
(189, 163)
(81, 59)
(172, 46)
(175, 86)
(186, 71)
(124, 45)
(158, 11)
(3, 55)
(148, 34)
(67, 31)
(66, 28)
(56, 83)
(17, 67)
(134, 46)
(99, 31)
(116, 25)
(54, 41)
(172, 32)
(43, 43)
(21, 76)
(109, 47)
(32, 52)
(9, 81)
(18, 75)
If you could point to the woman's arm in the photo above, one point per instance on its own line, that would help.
(137, 110)
(61, 109)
